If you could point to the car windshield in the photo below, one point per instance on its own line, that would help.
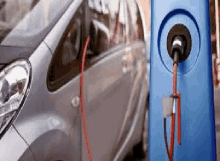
(20, 19)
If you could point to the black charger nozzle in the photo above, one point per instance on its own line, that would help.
(177, 48)
(179, 43)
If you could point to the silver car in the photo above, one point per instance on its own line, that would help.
(41, 44)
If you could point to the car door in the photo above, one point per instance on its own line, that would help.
(63, 83)
(135, 40)
(108, 81)
(130, 132)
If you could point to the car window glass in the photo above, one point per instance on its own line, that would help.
(135, 23)
(109, 25)
(114, 25)
(66, 61)
(126, 27)
(119, 35)
(99, 27)
(26, 18)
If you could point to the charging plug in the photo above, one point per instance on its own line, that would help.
(179, 43)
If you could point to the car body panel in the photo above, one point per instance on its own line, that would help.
(138, 70)
(107, 91)
(133, 117)
(116, 88)
(19, 149)
(134, 134)
(108, 116)
(9, 54)
(50, 125)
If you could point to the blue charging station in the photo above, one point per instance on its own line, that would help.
(194, 77)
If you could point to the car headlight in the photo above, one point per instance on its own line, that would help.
(14, 80)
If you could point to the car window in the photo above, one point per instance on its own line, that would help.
(118, 29)
(66, 61)
(99, 27)
(109, 25)
(27, 18)
(135, 23)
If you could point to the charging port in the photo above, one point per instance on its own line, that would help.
(179, 40)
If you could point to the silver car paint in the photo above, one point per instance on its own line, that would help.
(135, 91)
(106, 111)
(108, 77)
(137, 102)
(49, 125)
(134, 134)
(107, 91)
(13, 147)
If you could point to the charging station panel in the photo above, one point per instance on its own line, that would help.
(194, 77)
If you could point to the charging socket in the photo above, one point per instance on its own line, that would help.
(179, 30)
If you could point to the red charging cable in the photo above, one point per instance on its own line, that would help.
(179, 118)
(173, 115)
(175, 65)
(172, 136)
(83, 115)
(176, 49)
